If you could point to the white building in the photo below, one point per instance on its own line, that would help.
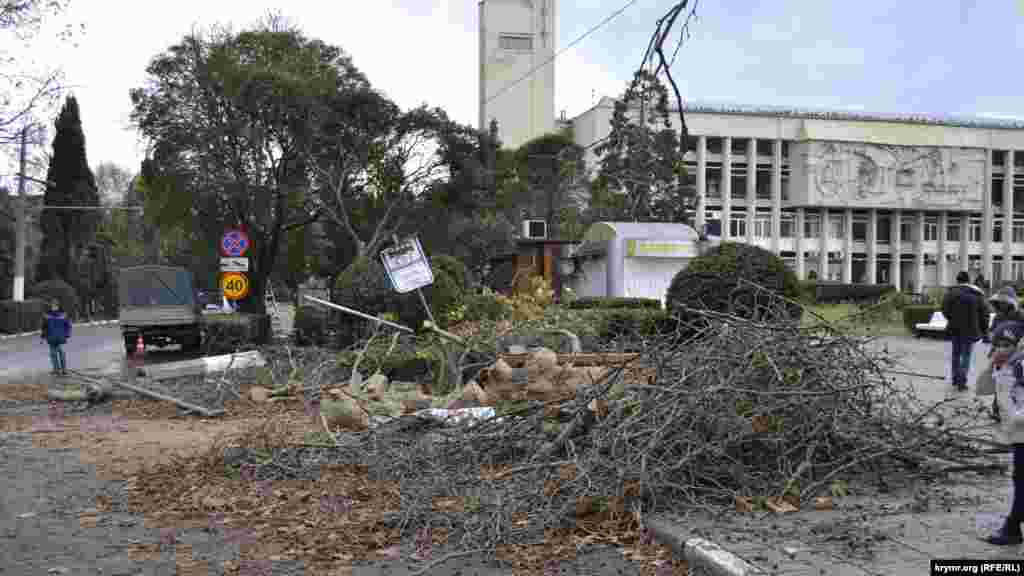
(908, 201)
(517, 71)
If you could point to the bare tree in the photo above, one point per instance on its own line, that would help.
(26, 94)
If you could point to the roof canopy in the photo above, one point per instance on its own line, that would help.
(604, 231)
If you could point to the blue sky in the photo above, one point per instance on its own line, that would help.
(877, 56)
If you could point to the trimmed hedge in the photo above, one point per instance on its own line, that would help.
(60, 290)
(715, 281)
(610, 303)
(227, 332)
(21, 317)
(918, 314)
(632, 323)
(833, 293)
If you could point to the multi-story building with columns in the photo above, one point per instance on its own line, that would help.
(853, 197)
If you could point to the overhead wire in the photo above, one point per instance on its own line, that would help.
(579, 39)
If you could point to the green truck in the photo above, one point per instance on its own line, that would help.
(159, 304)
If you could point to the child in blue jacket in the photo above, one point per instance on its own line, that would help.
(1008, 375)
(56, 332)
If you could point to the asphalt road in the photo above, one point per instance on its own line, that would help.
(91, 348)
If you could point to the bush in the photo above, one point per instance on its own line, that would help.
(59, 290)
(21, 317)
(918, 314)
(364, 286)
(808, 291)
(713, 281)
(630, 324)
(486, 306)
(833, 293)
(310, 325)
(615, 303)
(229, 332)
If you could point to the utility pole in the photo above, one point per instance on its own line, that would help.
(553, 186)
(20, 231)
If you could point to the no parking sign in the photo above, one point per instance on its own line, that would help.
(234, 243)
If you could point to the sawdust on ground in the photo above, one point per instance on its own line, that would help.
(176, 479)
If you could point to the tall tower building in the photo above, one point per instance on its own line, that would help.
(517, 37)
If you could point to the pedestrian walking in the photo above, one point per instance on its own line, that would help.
(981, 282)
(56, 332)
(1008, 360)
(967, 314)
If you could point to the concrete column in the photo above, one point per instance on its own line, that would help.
(872, 246)
(726, 186)
(895, 250)
(751, 187)
(919, 252)
(848, 246)
(986, 222)
(965, 251)
(823, 251)
(776, 195)
(702, 182)
(940, 257)
(798, 241)
(1008, 217)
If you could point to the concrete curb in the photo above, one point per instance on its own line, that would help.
(22, 335)
(703, 556)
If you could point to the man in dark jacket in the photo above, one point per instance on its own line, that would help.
(966, 312)
(56, 332)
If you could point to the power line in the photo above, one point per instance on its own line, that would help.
(579, 39)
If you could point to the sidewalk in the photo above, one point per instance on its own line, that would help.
(870, 536)
(23, 334)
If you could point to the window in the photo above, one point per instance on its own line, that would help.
(906, 229)
(975, 232)
(860, 229)
(763, 226)
(884, 229)
(787, 226)
(997, 230)
(1018, 230)
(1018, 271)
(931, 229)
(953, 230)
(835, 226)
(517, 42)
(738, 225)
(812, 226)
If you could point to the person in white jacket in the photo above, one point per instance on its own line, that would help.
(1008, 377)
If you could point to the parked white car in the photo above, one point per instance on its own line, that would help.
(936, 325)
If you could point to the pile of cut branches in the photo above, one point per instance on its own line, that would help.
(743, 409)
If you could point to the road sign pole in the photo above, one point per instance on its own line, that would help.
(423, 300)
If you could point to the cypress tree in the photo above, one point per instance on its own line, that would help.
(67, 232)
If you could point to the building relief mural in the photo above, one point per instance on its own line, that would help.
(858, 174)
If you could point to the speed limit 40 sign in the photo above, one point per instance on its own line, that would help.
(234, 285)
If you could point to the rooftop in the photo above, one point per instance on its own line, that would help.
(710, 107)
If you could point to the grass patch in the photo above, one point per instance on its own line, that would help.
(845, 317)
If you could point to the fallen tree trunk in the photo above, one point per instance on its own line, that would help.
(187, 405)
